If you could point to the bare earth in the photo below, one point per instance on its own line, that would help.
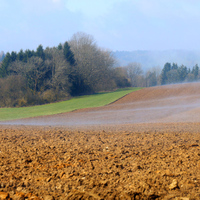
(144, 146)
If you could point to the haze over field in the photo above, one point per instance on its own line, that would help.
(115, 24)
(161, 104)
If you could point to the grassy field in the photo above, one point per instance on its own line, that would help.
(96, 100)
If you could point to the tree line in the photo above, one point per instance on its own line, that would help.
(77, 67)
(171, 73)
(74, 68)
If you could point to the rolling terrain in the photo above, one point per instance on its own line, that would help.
(171, 103)
(144, 146)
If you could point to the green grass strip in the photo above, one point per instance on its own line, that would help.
(88, 101)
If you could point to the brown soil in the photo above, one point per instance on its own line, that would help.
(166, 104)
(152, 152)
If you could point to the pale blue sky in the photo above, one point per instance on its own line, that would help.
(115, 24)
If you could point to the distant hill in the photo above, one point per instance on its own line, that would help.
(150, 59)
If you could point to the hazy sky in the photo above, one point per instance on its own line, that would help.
(115, 24)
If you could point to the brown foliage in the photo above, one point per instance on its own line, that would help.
(12, 89)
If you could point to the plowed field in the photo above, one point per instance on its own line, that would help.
(143, 146)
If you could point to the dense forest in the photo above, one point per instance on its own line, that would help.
(76, 67)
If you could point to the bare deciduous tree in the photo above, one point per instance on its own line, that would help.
(93, 65)
(134, 73)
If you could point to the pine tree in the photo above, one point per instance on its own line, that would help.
(40, 52)
(183, 72)
(60, 46)
(27, 54)
(69, 56)
(20, 55)
(165, 70)
(13, 56)
(4, 67)
(195, 71)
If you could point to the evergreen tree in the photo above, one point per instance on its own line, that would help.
(195, 71)
(174, 66)
(4, 67)
(60, 46)
(33, 53)
(40, 52)
(68, 54)
(29, 53)
(20, 55)
(13, 56)
(165, 70)
(183, 72)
